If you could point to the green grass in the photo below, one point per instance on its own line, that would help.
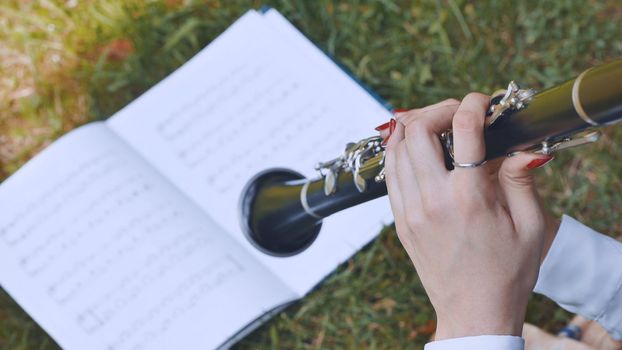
(65, 63)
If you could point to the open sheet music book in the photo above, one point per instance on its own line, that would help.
(124, 234)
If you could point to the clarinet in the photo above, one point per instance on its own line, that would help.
(281, 211)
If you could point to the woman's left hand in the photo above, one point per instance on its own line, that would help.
(476, 240)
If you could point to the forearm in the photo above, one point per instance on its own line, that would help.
(582, 272)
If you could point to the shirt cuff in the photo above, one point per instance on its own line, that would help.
(480, 342)
(582, 272)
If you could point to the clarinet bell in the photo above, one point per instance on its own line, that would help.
(272, 216)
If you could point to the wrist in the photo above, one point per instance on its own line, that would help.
(477, 327)
(506, 319)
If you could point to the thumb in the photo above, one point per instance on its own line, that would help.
(516, 182)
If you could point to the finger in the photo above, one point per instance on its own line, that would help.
(385, 129)
(407, 180)
(411, 199)
(424, 148)
(393, 188)
(395, 136)
(516, 182)
(384, 133)
(407, 116)
(390, 169)
(468, 136)
(400, 177)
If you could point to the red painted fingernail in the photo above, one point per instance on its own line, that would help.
(536, 163)
(400, 110)
(383, 126)
(392, 124)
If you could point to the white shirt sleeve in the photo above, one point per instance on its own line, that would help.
(480, 342)
(582, 272)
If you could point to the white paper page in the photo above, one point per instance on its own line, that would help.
(104, 253)
(251, 100)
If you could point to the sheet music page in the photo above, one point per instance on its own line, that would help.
(256, 99)
(104, 253)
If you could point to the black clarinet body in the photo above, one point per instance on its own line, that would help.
(281, 212)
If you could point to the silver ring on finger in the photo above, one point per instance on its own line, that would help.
(469, 165)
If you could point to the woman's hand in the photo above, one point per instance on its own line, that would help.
(476, 240)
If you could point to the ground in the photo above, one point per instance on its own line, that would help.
(65, 63)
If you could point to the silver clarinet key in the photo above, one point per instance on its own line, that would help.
(330, 181)
(359, 182)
